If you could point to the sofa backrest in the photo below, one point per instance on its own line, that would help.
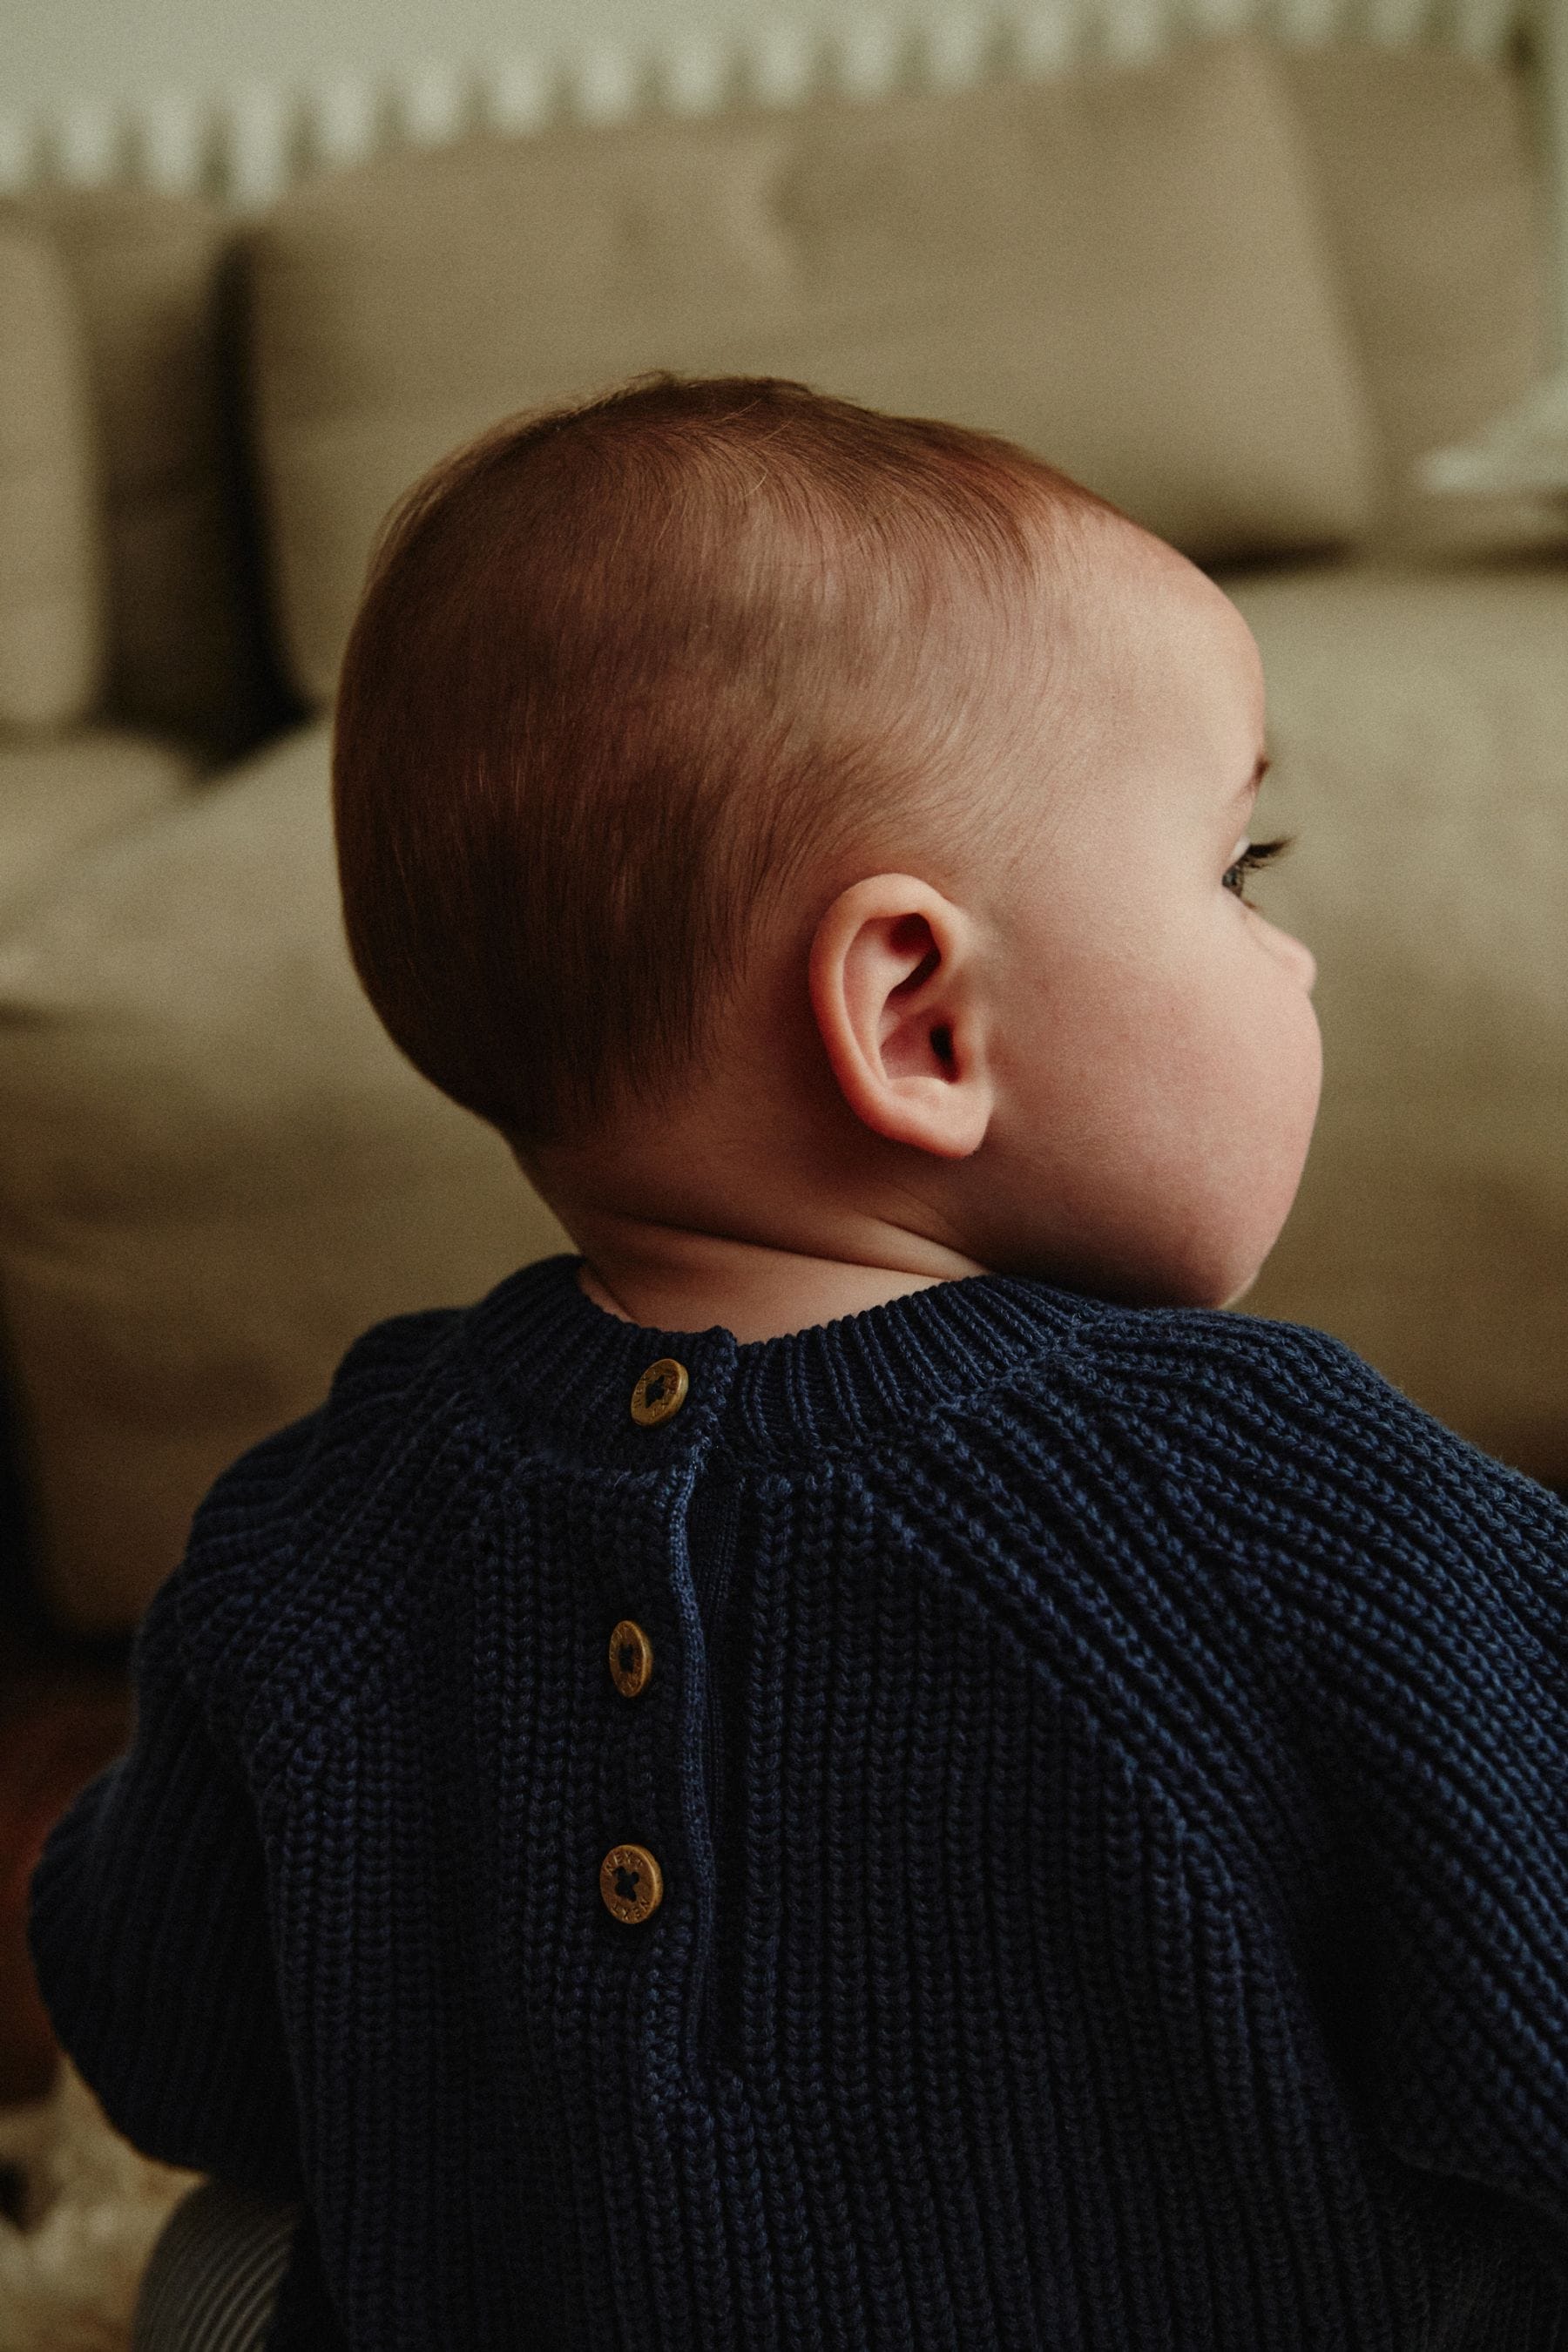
(177, 609)
(1434, 200)
(51, 583)
(1120, 269)
(396, 307)
(1163, 278)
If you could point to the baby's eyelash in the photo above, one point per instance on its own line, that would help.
(1255, 854)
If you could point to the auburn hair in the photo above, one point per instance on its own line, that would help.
(623, 671)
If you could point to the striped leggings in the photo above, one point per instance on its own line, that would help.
(213, 2277)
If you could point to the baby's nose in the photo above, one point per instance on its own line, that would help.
(1297, 955)
(1307, 962)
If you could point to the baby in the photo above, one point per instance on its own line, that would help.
(855, 1765)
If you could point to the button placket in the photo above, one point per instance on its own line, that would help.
(630, 1880)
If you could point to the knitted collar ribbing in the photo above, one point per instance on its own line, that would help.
(550, 1356)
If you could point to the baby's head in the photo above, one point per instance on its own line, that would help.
(820, 828)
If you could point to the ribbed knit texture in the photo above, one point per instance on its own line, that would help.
(1110, 1771)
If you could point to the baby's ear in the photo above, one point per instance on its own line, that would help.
(895, 989)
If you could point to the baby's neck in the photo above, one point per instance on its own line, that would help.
(676, 1281)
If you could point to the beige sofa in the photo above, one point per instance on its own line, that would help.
(1239, 289)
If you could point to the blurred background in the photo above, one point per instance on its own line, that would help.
(1288, 282)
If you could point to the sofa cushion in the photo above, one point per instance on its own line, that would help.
(62, 796)
(216, 1170)
(51, 588)
(1418, 721)
(187, 639)
(1124, 269)
(1430, 184)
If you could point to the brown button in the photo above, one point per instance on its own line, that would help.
(631, 1658)
(631, 1883)
(661, 1392)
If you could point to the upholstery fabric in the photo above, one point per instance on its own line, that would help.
(1124, 269)
(278, 1174)
(51, 585)
(212, 2283)
(1107, 1771)
(187, 648)
(61, 797)
(1424, 159)
(1419, 723)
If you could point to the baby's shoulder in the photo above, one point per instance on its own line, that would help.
(284, 1556)
(388, 1387)
(1179, 1382)
(1198, 1431)
(1149, 1486)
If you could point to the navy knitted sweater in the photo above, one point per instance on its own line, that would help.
(1005, 1820)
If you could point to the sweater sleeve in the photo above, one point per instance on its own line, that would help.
(1417, 1608)
(149, 1938)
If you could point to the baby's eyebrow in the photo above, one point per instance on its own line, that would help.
(1264, 765)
